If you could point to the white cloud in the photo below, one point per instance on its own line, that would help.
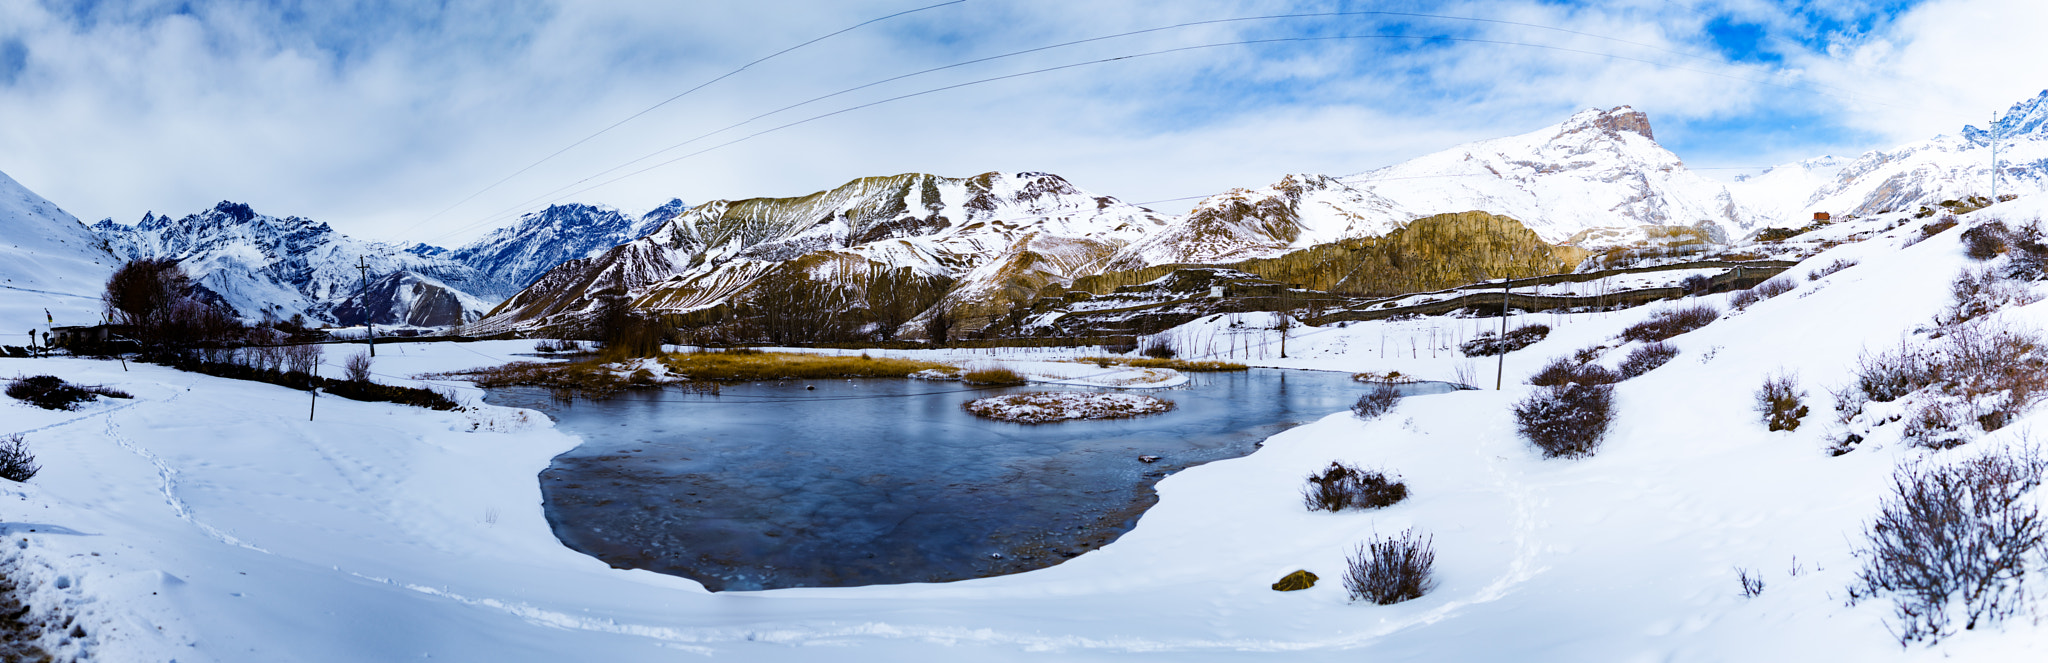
(373, 118)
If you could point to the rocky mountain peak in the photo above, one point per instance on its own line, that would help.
(2022, 119)
(1612, 121)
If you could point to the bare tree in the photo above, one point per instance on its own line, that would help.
(357, 367)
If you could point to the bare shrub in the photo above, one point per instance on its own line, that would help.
(1647, 358)
(1761, 291)
(357, 367)
(1376, 401)
(1936, 425)
(1985, 241)
(1954, 541)
(1672, 322)
(1888, 376)
(53, 393)
(1779, 401)
(1752, 582)
(1339, 487)
(1830, 268)
(1562, 371)
(1696, 285)
(1488, 344)
(1566, 421)
(1391, 570)
(1159, 347)
(302, 358)
(16, 463)
(557, 346)
(1976, 293)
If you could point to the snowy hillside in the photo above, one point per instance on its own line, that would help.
(1947, 167)
(1598, 170)
(934, 226)
(381, 532)
(515, 255)
(261, 265)
(48, 260)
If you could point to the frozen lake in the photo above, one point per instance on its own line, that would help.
(862, 482)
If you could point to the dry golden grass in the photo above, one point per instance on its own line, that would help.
(753, 365)
(992, 376)
(588, 378)
(1175, 364)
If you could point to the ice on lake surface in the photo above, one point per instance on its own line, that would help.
(862, 482)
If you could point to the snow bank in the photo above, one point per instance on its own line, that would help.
(1041, 407)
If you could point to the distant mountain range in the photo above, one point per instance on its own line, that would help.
(975, 247)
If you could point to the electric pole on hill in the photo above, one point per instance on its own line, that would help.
(1994, 157)
(363, 264)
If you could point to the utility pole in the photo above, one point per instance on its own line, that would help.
(363, 264)
(1500, 370)
(1994, 157)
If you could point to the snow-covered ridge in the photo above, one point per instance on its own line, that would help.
(48, 260)
(934, 226)
(1907, 177)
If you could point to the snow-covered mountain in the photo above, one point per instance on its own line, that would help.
(48, 260)
(517, 254)
(265, 266)
(1043, 227)
(261, 265)
(1946, 167)
(1599, 170)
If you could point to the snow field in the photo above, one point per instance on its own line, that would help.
(380, 532)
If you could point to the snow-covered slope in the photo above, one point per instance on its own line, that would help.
(515, 255)
(207, 519)
(1947, 167)
(260, 265)
(940, 227)
(48, 260)
(1599, 170)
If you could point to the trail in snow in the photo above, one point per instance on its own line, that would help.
(168, 484)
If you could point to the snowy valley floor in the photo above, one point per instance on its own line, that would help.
(207, 519)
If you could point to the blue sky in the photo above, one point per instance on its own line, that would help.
(385, 117)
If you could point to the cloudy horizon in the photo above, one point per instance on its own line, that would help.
(384, 119)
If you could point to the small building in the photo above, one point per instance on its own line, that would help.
(86, 335)
(1821, 217)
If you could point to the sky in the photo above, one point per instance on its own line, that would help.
(437, 121)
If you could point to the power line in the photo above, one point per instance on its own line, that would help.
(679, 95)
(528, 203)
(546, 196)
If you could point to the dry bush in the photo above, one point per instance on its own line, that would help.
(1779, 401)
(1562, 371)
(1647, 358)
(1391, 570)
(53, 393)
(1830, 268)
(1976, 293)
(1566, 421)
(1672, 322)
(1339, 487)
(1160, 348)
(1376, 401)
(1977, 373)
(1488, 344)
(994, 375)
(16, 463)
(1931, 230)
(1752, 583)
(1761, 291)
(1954, 541)
(557, 346)
(302, 358)
(1985, 241)
(357, 367)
